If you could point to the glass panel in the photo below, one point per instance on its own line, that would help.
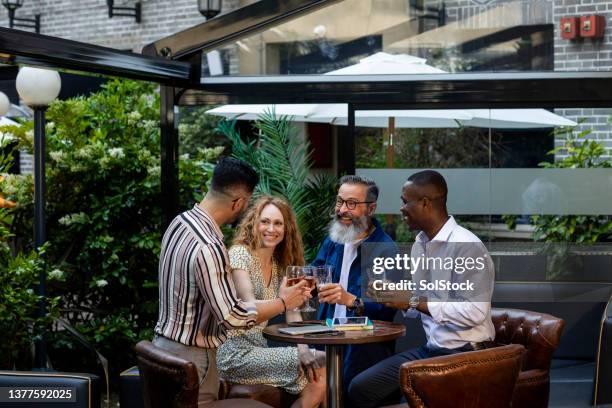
(509, 191)
(537, 193)
(415, 37)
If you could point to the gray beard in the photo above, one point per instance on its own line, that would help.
(343, 234)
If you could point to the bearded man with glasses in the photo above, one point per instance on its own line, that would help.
(351, 226)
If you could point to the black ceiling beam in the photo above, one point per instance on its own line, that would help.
(427, 91)
(502, 36)
(35, 49)
(232, 26)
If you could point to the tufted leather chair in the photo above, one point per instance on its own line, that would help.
(540, 334)
(475, 379)
(169, 381)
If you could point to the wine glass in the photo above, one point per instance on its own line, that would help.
(294, 275)
(324, 274)
(309, 274)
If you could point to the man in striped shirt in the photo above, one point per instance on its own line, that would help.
(197, 298)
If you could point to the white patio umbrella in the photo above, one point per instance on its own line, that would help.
(4, 121)
(337, 114)
(383, 63)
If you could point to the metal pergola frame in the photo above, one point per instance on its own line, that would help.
(175, 63)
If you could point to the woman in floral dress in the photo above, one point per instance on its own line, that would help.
(267, 241)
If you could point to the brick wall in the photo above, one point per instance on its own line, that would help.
(582, 55)
(585, 55)
(87, 20)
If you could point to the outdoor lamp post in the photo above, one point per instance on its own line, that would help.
(5, 104)
(38, 88)
(209, 8)
(12, 6)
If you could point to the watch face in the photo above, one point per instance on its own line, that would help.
(414, 302)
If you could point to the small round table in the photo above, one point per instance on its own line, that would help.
(383, 331)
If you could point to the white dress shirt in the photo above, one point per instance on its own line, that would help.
(453, 324)
(349, 255)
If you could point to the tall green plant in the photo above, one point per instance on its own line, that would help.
(283, 163)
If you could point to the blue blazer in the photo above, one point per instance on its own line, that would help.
(357, 358)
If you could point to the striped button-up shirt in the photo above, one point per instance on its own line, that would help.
(197, 297)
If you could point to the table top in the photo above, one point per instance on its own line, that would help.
(383, 331)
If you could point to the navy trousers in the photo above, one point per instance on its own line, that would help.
(379, 384)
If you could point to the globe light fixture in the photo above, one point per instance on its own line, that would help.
(209, 8)
(38, 88)
(5, 104)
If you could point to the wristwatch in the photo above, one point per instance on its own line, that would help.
(357, 303)
(357, 306)
(414, 301)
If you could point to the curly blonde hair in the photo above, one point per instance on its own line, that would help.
(289, 251)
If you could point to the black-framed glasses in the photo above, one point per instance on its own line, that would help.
(350, 204)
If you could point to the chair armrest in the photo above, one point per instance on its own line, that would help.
(469, 377)
(533, 377)
(532, 389)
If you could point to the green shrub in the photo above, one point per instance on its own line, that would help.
(104, 214)
(20, 324)
(579, 152)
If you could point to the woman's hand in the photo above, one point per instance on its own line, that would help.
(310, 360)
(294, 296)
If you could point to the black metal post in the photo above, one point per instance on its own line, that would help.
(169, 155)
(334, 355)
(40, 234)
(11, 14)
(346, 145)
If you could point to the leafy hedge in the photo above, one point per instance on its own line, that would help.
(104, 215)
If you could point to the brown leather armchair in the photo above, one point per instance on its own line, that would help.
(540, 334)
(475, 379)
(167, 380)
(170, 381)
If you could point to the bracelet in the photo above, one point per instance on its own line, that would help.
(284, 304)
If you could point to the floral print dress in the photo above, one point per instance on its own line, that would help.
(245, 357)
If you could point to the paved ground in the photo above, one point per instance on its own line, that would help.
(571, 384)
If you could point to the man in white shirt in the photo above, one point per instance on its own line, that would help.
(455, 320)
